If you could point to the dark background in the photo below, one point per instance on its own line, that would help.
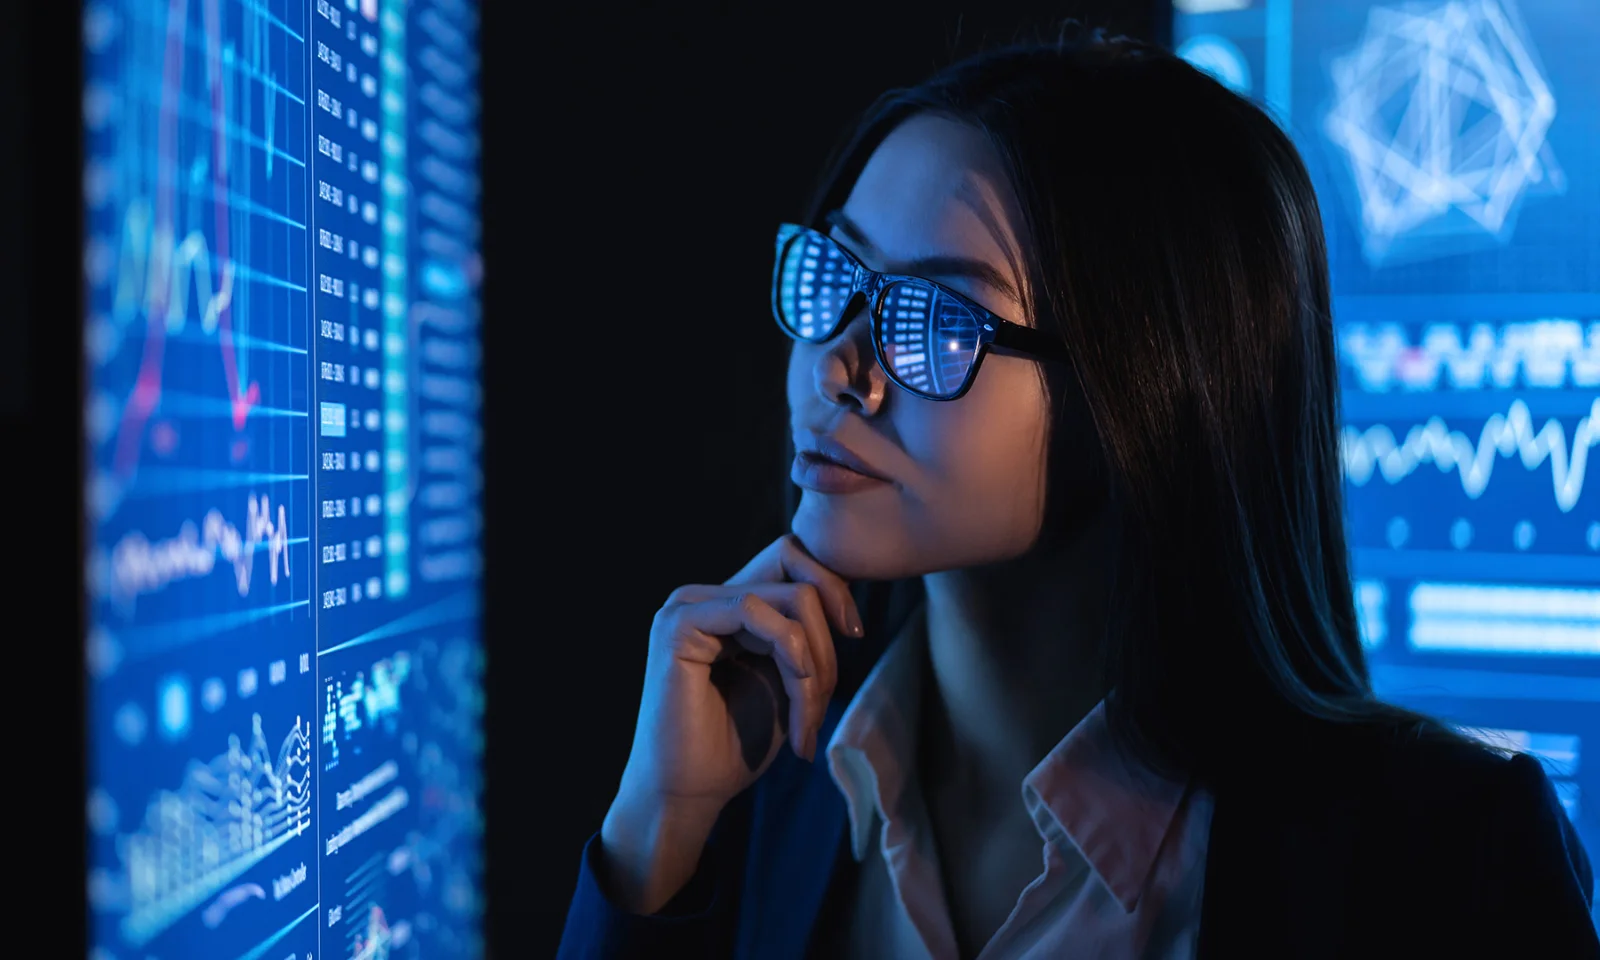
(637, 160)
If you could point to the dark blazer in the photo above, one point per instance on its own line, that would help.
(1376, 848)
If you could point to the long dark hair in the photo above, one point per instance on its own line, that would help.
(1174, 242)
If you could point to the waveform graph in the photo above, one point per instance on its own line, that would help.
(197, 333)
(139, 566)
(1552, 353)
(1513, 489)
(1514, 434)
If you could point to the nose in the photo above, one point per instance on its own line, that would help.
(847, 373)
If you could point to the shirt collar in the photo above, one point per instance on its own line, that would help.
(874, 747)
(1114, 809)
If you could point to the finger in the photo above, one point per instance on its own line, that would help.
(805, 605)
(797, 601)
(745, 619)
(787, 559)
(799, 565)
(746, 610)
(800, 691)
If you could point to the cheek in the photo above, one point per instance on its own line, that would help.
(983, 463)
(799, 377)
(988, 452)
(972, 481)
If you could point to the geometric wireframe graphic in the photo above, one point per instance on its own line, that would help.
(1219, 57)
(1441, 111)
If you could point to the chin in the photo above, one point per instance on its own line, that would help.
(856, 541)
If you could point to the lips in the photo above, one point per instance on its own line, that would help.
(826, 476)
(823, 460)
(826, 466)
(826, 450)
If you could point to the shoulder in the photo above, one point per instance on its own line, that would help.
(1425, 771)
(1422, 793)
(1409, 836)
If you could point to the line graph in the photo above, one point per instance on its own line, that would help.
(158, 268)
(226, 817)
(139, 566)
(378, 938)
(1549, 354)
(1376, 450)
(280, 244)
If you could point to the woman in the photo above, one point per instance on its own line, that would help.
(1063, 394)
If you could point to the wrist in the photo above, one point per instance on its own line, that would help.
(652, 848)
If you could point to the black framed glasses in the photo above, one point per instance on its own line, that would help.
(928, 338)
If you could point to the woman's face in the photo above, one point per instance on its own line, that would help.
(964, 480)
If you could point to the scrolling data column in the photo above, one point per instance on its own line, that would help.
(397, 654)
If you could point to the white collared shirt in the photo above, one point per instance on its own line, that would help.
(1123, 848)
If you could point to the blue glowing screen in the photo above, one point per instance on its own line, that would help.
(283, 481)
(1455, 146)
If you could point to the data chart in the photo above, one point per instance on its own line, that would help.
(1454, 146)
(283, 478)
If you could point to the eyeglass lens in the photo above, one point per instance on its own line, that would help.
(928, 339)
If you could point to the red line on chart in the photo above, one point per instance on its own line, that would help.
(147, 388)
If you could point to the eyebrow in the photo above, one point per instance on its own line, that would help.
(943, 266)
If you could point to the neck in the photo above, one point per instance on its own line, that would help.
(1013, 656)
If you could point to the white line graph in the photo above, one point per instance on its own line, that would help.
(139, 566)
(1512, 434)
(1550, 354)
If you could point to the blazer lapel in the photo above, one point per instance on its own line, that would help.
(798, 817)
(796, 828)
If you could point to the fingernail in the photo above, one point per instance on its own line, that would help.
(855, 624)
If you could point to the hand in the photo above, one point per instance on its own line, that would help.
(733, 671)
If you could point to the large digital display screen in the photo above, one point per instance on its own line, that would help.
(282, 435)
(1455, 147)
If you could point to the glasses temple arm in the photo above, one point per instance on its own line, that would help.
(1014, 336)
